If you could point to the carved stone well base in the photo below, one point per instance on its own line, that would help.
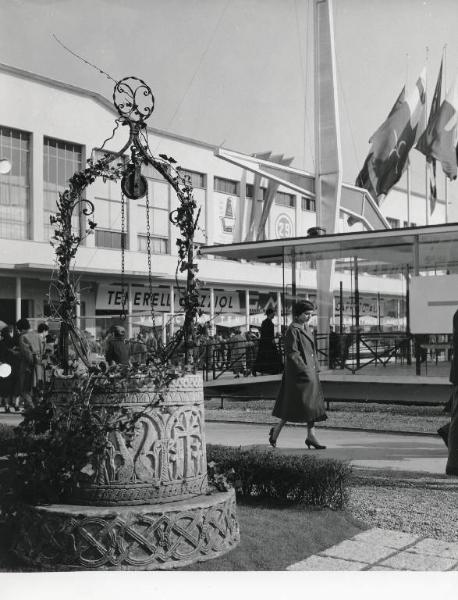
(147, 537)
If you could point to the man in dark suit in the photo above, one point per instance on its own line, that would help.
(452, 462)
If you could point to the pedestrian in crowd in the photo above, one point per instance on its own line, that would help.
(224, 350)
(32, 347)
(9, 354)
(251, 345)
(333, 348)
(92, 344)
(139, 352)
(300, 399)
(117, 350)
(238, 348)
(452, 461)
(151, 343)
(269, 360)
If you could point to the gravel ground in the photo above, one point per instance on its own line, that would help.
(429, 513)
(380, 417)
(426, 507)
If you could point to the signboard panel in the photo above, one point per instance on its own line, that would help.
(433, 301)
(109, 297)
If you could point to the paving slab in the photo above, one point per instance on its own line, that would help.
(359, 551)
(326, 563)
(387, 538)
(411, 561)
(369, 551)
(436, 548)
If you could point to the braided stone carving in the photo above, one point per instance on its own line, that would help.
(145, 538)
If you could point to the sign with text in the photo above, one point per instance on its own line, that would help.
(433, 302)
(109, 297)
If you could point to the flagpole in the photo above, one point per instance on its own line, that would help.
(408, 194)
(426, 123)
(408, 161)
(445, 176)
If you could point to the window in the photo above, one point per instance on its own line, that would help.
(109, 239)
(226, 186)
(284, 199)
(159, 223)
(157, 245)
(393, 223)
(198, 180)
(15, 186)
(249, 191)
(60, 161)
(308, 204)
(406, 224)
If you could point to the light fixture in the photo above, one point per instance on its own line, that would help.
(5, 370)
(5, 166)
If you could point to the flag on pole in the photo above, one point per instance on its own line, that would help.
(367, 178)
(392, 142)
(426, 140)
(443, 137)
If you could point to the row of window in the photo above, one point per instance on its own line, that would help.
(396, 223)
(113, 239)
(61, 159)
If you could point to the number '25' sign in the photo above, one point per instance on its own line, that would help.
(284, 226)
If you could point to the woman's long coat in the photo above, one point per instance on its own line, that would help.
(300, 399)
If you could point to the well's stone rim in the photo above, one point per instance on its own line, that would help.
(65, 537)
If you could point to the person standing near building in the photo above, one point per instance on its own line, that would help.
(117, 350)
(238, 353)
(31, 351)
(300, 399)
(9, 355)
(268, 359)
(452, 461)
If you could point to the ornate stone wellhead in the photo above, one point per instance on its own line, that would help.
(134, 102)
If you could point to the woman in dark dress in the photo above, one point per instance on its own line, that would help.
(268, 359)
(300, 399)
(10, 355)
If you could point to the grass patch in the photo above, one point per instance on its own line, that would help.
(273, 538)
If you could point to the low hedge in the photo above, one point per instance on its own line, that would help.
(267, 474)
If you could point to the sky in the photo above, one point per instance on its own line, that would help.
(239, 73)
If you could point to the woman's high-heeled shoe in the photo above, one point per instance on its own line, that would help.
(315, 445)
(272, 442)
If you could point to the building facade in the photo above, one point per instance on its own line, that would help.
(48, 130)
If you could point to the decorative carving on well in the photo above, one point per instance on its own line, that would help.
(143, 538)
(164, 460)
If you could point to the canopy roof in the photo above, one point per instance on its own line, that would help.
(433, 246)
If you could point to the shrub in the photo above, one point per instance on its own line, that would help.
(265, 474)
(7, 438)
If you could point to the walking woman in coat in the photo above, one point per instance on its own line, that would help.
(300, 399)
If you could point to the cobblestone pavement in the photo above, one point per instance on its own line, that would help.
(384, 550)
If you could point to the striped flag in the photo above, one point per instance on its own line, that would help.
(426, 140)
(443, 136)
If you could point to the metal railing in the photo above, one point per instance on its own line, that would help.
(355, 351)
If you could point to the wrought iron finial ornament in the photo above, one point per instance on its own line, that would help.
(133, 99)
